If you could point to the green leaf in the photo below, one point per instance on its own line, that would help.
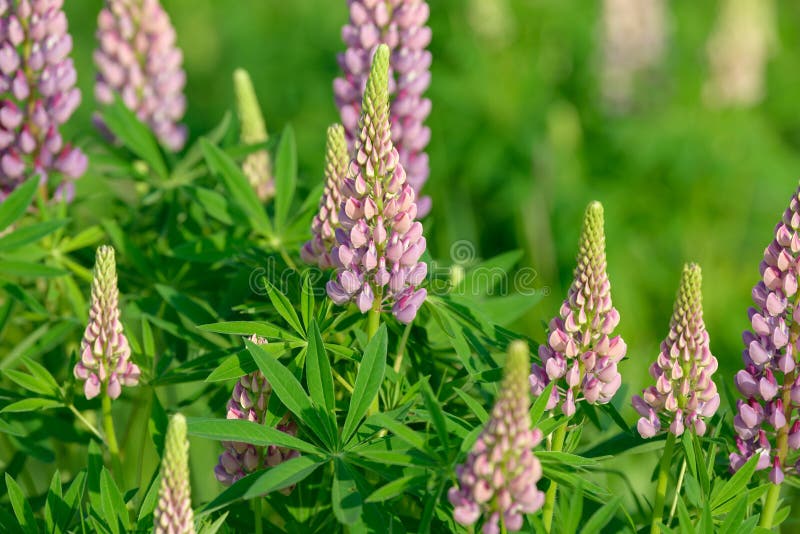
(735, 516)
(347, 501)
(684, 519)
(26, 269)
(237, 185)
(405, 433)
(214, 204)
(21, 507)
(284, 308)
(84, 238)
(285, 176)
(318, 370)
(54, 505)
(602, 516)
(736, 484)
(397, 487)
(247, 432)
(474, 406)
(195, 310)
(539, 405)
(31, 383)
(195, 152)
(113, 503)
(248, 328)
(137, 137)
(29, 234)
(368, 381)
(73, 499)
(437, 417)
(307, 300)
(32, 405)
(15, 205)
(150, 501)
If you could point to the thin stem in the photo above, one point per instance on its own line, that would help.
(677, 492)
(549, 508)
(339, 378)
(89, 425)
(111, 438)
(373, 323)
(661, 487)
(770, 506)
(398, 364)
(289, 261)
(257, 515)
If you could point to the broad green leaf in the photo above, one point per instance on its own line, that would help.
(29, 234)
(736, 484)
(247, 432)
(602, 516)
(137, 137)
(368, 382)
(32, 405)
(21, 507)
(347, 501)
(14, 206)
(285, 176)
(318, 370)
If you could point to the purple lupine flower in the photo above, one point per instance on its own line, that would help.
(173, 513)
(317, 251)
(767, 422)
(249, 401)
(137, 57)
(37, 79)
(257, 166)
(580, 352)
(399, 24)
(499, 477)
(105, 364)
(379, 242)
(685, 393)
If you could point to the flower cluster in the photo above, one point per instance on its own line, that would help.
(257, 166)
(249, 401)
(137, 58)
(37, 79)
(684, 393)
(105, 364)
(173, 513)
(770, 381)
(317, 251)
(379, 242)
(399, 24)
(500, 475)
(580, 347)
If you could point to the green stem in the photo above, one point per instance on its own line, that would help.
(111, 439)
(550, 498)
(257, 515)
(89, 425)
(661, 487)
(677, 492)
(398, 364)
(373, 323)
(770, 506)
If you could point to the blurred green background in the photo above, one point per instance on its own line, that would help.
(521, 141)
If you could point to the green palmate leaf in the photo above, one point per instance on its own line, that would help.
(368, 382)
(347, 501)
(29, 234)
(399, 486)
(31, 383)
(113, 505)
(32, 405)
(405, 433)
(290, 392)
(195, 310)
(318, 370)
(137, 137)
(285, 176)
(17, 202)
(735, 517)
(22, 510)
(284, 308)
(213, 527)
(602, 516)
(736, 484)
(259, 483)
(237, 185)
(539, 405)
(437, 417)
(85, 238)
(54, 505)
(474, 406)
(248, 328)
(247, 432)
(216, 205)
(12, 428)
(73, 498)
(24, 297)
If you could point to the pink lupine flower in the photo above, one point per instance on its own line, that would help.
(685, 394)
(173, 513)
(105, 363)
(580, 353)
(379, 242)
(767, 422)
(499, 478)
(37, 79)
(249, 401)
(137, 57)
(399, 24)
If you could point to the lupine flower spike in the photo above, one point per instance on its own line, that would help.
(685, 394)
(37, 79)
(249, 401)
(499, 477)
(379, 242)
(137, 58)
(580, 352)
(317, 251)
(105, 364)
(399, 24)
(257, 166)
(173, 514)
(768, 422)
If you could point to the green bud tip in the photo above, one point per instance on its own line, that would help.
(251, 118)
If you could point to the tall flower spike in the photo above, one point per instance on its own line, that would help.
(399, 24)
(685, 393)
(257, 166)
(173, 514)
(499, 477)
(37, 79)
(105, 364)
(379, 242)
(249, 401)
(137, 57)
(580, 352)
(768, 422)
(317, 251)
